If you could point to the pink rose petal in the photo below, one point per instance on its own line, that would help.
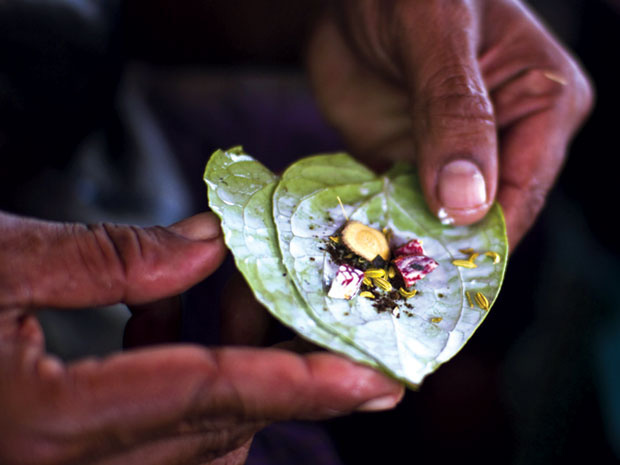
(347, 283)
(414, 267)
(413, 247)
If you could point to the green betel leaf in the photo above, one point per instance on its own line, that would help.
(406, 337)
(240, 192)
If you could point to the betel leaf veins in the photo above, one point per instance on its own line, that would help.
(281, 231)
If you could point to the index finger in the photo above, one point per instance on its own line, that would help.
(540, 103)
(533, 151)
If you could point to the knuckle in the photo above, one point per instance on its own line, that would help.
(101, 256)
(538, 89)
(22, 244)
(461, 108)
(456, 79)
(114, 254)
(462, 116)
(453, 99)
(562, 89)
(584, 93)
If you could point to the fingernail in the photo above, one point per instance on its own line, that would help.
(200, 227)
(380, 403)
(461, 186)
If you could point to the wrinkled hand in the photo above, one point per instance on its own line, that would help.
(478, 92)
(163, 405)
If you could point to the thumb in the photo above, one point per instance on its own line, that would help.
(47, 264)
(453, 121)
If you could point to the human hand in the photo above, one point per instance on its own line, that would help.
(161, 405)
(477, 92)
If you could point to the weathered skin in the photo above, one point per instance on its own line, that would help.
(477, 92)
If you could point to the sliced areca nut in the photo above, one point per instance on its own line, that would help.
(365, 241)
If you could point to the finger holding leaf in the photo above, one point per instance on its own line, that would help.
(158, 405)
(479, 94)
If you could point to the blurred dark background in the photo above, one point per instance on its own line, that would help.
(109, 111)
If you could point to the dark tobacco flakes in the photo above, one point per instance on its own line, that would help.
(341, 255)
